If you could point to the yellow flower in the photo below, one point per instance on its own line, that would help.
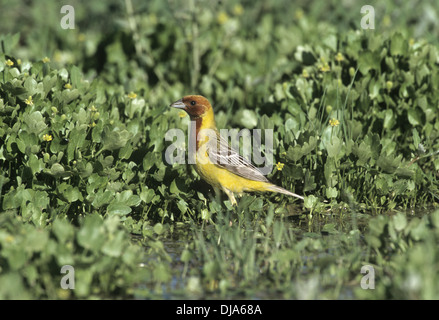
(339, 57)
(9, 238)
(389, 85)
(305, 73)
(238, 9)
(325, 67)
(45, 60)
(29, 101)
(93, 108)
(132, 95)
(280, 166)
(387, 21)
(334, 122)
(9, 63)
(182, 114)
(47, 137)
(298, 14)
(68, 86)
(81, 37)
(222, 17)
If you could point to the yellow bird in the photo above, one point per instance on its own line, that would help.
(219, 164)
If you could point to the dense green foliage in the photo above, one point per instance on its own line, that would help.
(83, 119)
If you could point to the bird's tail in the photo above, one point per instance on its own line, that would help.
(275, 188)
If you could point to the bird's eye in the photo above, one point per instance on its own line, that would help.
(193, 102)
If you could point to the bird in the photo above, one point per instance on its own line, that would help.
(215, 161)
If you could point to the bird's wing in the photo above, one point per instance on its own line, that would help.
(226, 157)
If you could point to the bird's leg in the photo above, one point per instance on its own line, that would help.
(231, 196)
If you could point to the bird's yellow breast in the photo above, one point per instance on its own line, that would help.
(221, 178)
(215, 175)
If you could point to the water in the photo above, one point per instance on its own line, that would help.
(292, 257)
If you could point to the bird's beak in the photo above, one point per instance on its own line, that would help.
(178, 104)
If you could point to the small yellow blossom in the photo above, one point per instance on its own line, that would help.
(339, 57)
(325, 67)
(305, 73)
(389, 85)
(298, 14)
(387, 21)
(93, 124)
(81, 37)
(63, 294)
(238, 9)
(9, 63)
(47, 137)
(93, 108)
(280, 166)
(222, 17)
(68, 86)
(182, 114)
(19, 62)
(334, 122)
(29, 101)
(46, 60)
(411, 42)
(132, 95)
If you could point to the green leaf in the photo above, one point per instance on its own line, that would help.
(158, 228)
(118, 209)
(72, 194)
(147, 195)
(389, 119)
(63, 230)
(368, 60)
(331, 192)
(102, 198)
(334, 147)
(115, 245)
(75, 76)
(36, 240)
(399, 221)
(182, 205)
(247, 118)
(34, 122)
(115, 139)
(310, 201)
(415, 116)
(36, 164)
(90, 234)
(57, 170)
(173, 188)
(363, 152)
(389, 164)
(398, 45)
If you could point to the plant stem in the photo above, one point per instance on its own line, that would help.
(195, 47)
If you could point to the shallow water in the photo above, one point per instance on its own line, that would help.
(336, 245)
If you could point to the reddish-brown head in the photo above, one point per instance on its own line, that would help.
(195, 106)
